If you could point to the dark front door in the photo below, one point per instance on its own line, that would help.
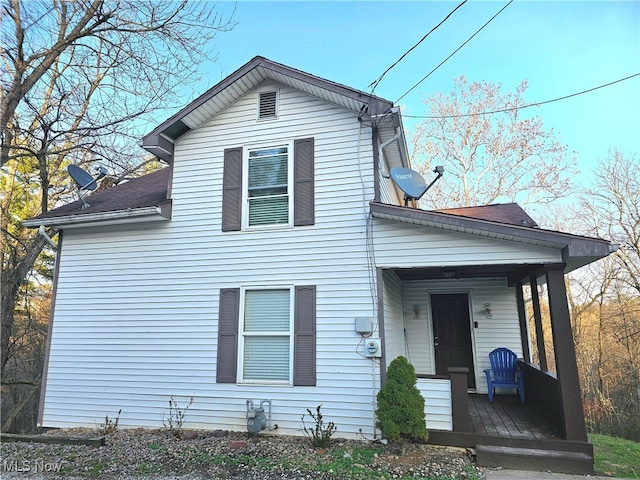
(452, 333)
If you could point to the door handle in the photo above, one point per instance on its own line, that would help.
(435, 341)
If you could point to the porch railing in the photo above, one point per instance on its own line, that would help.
(543, 390)
(460, 399)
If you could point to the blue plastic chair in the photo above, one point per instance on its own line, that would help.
(504, 372)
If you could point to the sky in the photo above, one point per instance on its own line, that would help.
(560, 47)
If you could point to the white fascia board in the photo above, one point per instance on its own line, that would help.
(118, 217)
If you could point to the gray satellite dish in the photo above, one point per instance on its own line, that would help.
(412, 183)
(84, 180)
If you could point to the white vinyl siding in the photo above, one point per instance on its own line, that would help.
(403, 245)
(389, 192)
(151, 329)
(502, 330)
(136, 314)
(394, 338)
(437, 403)
(416, 330)
(266, 346)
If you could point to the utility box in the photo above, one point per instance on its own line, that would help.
(373, 348)
(364, 325)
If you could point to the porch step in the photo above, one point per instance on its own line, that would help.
(534, 459)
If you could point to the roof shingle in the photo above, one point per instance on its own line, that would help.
(509, 213)
(146, 191)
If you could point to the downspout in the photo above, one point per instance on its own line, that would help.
(395, 138)
(44, 235)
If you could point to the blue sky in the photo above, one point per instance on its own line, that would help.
(560, 47)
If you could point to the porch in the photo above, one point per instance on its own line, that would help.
(457, 284)
(506, 433)
(508, 418)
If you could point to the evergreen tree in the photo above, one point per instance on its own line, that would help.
(400, 409)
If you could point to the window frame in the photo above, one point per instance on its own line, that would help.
(289, 144)
(242, 334)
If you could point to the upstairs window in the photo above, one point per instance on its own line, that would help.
(267, 105)
(268, 186)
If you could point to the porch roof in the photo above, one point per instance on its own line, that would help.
(577, 250)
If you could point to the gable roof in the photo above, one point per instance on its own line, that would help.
(577, 250)
(141, 199)
(160, 141)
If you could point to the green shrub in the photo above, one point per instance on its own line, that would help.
(320, 434)
(400, 412)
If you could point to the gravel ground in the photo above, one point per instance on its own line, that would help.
(155, 454)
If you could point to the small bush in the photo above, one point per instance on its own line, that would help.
(320, 434)
(175, 419)
(400, 411)
(109, 425)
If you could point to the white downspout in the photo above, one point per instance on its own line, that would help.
(43, 233)
(395, 138)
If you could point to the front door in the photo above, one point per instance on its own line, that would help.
(452, 333)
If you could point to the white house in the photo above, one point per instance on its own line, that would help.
(271, 256)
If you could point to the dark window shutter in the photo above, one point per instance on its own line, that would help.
(304, 348)
(232, 190)
(227, 365)
(303, 202)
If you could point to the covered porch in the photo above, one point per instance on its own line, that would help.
(548, 431)
(446, 313)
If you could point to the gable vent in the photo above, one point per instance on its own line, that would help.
(268, 105)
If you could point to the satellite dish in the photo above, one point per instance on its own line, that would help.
(412, 183)
(409, 181)
(84, 180)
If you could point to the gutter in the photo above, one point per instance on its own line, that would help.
(145, 214)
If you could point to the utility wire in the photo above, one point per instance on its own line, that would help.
(375, 83)
(529, 104)
(454, 52)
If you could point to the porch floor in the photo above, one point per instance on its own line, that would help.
(507, 417)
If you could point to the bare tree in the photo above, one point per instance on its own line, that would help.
(606, 300)
(127, 56)
(611, 209)
(78, 79)
(488, 157)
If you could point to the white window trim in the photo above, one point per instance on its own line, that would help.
(267, 90)
(245, 184)
(241, 335)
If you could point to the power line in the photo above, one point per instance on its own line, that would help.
(527, 105)
(375, 83)
(455, 51)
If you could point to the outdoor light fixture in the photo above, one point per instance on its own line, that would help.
(487, 310)
(448, 273)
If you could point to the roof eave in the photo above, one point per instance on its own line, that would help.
(577, 251)
(160, 146)
(160, 141)
(116, 217)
